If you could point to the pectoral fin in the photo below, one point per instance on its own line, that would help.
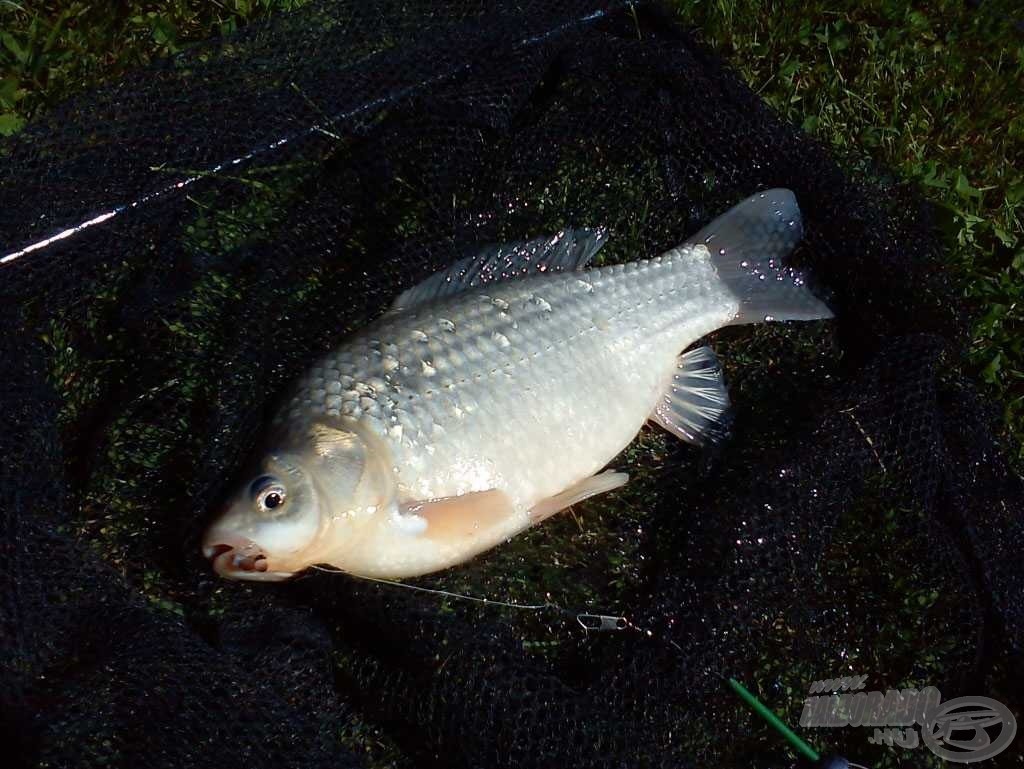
(468, 515)
(588, 487)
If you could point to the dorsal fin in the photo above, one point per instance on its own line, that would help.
(569, 249)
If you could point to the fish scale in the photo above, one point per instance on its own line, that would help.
(542, 361)
(490, 395)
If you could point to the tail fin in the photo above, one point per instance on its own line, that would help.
(747, 244)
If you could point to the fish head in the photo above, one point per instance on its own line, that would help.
(306, 505)
(269, 522)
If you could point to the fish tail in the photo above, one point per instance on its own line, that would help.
(747, 245)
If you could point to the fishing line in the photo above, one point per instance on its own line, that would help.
(605, 622)
(370, 107)
(446, 593)
(586, 620)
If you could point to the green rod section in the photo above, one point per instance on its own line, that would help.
(758, 707)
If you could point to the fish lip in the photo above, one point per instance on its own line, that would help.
(241, 562)
(212, 552)
(225, 564)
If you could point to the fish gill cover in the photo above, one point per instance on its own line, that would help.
(179, 245)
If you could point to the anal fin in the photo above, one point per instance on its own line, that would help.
(695, 407)
(588, 487)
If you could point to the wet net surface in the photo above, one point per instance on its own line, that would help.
(271, 192)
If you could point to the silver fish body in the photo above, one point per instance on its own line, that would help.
(508, 397)
(527, 386)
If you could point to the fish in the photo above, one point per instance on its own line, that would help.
(495, 394)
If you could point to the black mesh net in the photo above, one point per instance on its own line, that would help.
(236, 210)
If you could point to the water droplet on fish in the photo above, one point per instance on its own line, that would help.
(744, 264)
(721, 252)
(541, 302)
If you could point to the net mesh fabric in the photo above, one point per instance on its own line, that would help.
(276, 189)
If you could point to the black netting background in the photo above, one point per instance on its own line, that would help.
(273, 191)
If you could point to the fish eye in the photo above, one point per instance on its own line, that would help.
(269, 493)
(271, 499)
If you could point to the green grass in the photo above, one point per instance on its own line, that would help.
(932, 93)
(931, 96)
(52, 49)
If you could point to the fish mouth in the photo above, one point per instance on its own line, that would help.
(242, 560)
